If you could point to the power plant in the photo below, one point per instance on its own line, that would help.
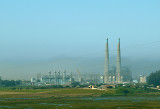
(106, 73)
(118, 67)
(110, 76)
(61, 78)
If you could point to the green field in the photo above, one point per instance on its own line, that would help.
(72, 98)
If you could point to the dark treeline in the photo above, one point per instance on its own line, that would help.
(154, 78)
(10, 83)
(34, 87)
(19, 84)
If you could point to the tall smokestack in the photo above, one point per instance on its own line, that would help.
(106, 73)
(118, 68)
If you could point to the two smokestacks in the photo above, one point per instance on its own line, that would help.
(118, 76)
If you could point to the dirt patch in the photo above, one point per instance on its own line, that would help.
(45, 92)
(8, 93)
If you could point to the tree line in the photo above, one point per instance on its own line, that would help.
(154, 78)
(10, 82)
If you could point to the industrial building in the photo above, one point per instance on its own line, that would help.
(115, 75)
(57, 78)
(142, 79)
(62, 78)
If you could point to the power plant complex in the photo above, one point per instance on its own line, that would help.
(112, 75)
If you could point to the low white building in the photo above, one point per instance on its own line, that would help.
(142, 79)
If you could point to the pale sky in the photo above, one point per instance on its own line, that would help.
(43, 29)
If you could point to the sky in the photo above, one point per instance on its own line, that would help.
(45, 29)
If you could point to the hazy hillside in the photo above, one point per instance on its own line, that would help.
(26, 69)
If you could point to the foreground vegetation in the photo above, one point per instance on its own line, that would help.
(78, 98)
(57, 103)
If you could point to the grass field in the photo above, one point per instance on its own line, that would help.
(72, 98)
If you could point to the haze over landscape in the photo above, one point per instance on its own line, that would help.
(38, 36)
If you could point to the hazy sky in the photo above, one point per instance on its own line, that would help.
(42, 29)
